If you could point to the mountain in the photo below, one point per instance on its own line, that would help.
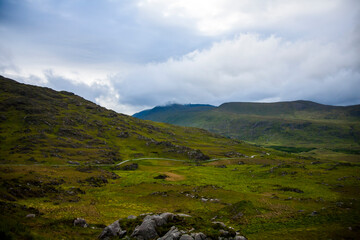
(289, 124)
(42, 125)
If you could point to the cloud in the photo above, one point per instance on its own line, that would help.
(212, 17)
(131, 55)
(248, 68)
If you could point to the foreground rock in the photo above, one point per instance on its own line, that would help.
(147, 230)
(112, 230)
(153, 225)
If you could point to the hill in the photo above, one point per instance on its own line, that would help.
(70, 169)
(44, 125)
(284, 124)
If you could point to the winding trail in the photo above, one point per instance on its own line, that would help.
(107, 165)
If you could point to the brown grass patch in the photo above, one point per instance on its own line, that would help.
(173, 177)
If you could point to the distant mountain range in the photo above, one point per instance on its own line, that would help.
(294, 123)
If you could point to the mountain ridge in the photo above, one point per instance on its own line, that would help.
(290, 123)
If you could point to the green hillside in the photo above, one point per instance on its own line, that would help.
(285, 124)
(63, 158)
(55, 127)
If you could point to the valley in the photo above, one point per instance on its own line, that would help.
(63, 157)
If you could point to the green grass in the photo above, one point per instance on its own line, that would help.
(270, 194)
(252, 190)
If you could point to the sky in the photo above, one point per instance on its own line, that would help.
(131, 55)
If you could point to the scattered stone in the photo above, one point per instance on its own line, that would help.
(130, 167)
(161, 176)
(288, 189)
(31, 215)
(221, 166)
(182, 215)
(314, 213)
(240, 238)
(147, 229)
(74, 163)
(241, 163)
(112, 230)
(186, 237)
(198, 236)
(80, 222)
(224, 233)
(221, 224)
(172, 234)
(131, 217)
(316, 162)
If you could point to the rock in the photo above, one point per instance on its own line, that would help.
(240, 238)
(130, 167)
(172, 234)
(131, 217)
(221, 166)
(74, 163)
(314, 213)
(31, 215)
(161, 176)
(198, 236)
(224, 233)
(182, 215)
(147, 229)
(221, 224)
(80, 222)
(112, 230)
(186, 237)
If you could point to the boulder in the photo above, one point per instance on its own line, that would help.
(186, 237)
(112, 230)
(31, 215)
(240, 238)
(131, 217)
(80, 222)
(221, 224)
(147, 229)
(172, 234)
(198, 236)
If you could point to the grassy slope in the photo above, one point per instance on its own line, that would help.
(43, 126)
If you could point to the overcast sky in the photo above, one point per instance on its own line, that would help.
(129, 55)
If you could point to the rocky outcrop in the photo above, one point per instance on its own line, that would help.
(112, 230)
(172, 234)
(147, 230)
(154, 226)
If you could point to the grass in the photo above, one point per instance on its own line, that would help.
(247, 198)
(262, 192)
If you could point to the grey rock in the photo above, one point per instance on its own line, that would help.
(172, 234)
(80, 222)
(186, 237)
(147, 229)
(224, 233)
(182, 215)
(112, 230)
(220, 223)
(131, 217)
(240, 238)
(31, 215)
(198, 236)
